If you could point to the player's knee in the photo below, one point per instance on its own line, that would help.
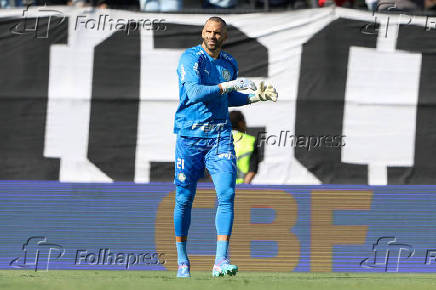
(226, 197)
(184, 201)
(184, 197)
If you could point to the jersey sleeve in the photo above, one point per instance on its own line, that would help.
(188, 69)
(237, 99)
(190, 77)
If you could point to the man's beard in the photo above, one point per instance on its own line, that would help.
(216, 47)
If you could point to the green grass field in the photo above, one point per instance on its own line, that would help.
(124, 280)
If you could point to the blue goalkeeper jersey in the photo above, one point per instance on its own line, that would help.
(203, 110)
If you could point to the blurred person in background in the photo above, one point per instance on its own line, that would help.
(114, 4)
(4, 4)
(339, 3)
(247, 153)
(49, 2)
(161, 5)
(12, 3)
(119, 4)
(371, 4)
(430, 5)
(79, 3)
(282, 4)
(219, 4)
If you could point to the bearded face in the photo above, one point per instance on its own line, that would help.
(214, 34)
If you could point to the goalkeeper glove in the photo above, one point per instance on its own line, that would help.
(264, 92)
(239, 84)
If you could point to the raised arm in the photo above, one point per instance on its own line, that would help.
(190, 78)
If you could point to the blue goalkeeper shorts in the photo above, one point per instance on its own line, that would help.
(193, 154)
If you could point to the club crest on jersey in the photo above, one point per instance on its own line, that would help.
(226, 75)
(181, 177)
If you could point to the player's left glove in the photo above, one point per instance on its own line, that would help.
(239, 84)
(264, 92)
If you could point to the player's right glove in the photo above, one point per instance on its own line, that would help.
(264, 92)
(239, 84)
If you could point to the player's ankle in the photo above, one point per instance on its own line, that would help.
(183, 262)
(220, 260)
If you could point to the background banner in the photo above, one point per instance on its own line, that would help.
(52, 225)
(90, 96)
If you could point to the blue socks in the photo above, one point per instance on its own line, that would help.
(221, 251)
(182, 257)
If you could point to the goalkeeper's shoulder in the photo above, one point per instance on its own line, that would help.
(192, 55)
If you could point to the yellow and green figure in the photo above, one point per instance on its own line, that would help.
(244, 147)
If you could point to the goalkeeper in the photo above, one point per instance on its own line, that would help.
(208, 85)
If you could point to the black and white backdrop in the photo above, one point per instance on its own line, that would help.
(87, 104)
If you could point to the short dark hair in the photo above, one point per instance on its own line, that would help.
(217, 19)
(235, 118)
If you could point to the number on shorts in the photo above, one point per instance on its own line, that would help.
(180, 163)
